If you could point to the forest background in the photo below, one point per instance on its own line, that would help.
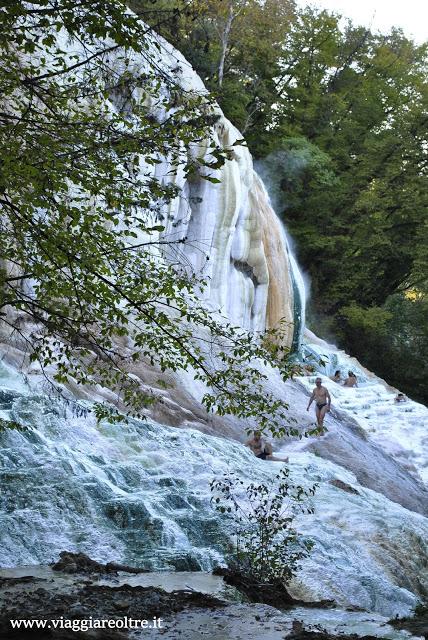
(336, 117)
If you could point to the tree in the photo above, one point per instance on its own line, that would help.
(348, 159)
(81, 212)
(393, 338)
(267, 547)
(224, 27)
(362, 100)
(235, 46)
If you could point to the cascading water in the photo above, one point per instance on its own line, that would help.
(139, 492)
(298, 293)
(279, 302)
(399, 428)
(299, 299)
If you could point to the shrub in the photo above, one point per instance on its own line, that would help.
(267, 546)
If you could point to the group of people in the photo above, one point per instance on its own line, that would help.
(350, 381)
(322, 397)
(263, 449)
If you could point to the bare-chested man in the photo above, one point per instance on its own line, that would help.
(261, 448)
(322, 401)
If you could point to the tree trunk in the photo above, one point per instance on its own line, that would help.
(224, 42)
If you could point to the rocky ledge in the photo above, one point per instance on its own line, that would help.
(76, 595)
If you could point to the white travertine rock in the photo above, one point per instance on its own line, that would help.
(233, 236)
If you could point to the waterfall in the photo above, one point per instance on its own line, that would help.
(286, 292)
(139, 492)
(280, 299)
(234, 239)
(253, 277)
(299, 298)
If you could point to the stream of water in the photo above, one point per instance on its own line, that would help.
(139, 493)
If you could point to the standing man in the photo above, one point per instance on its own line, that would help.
(322, 402)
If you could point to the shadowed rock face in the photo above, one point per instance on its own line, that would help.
(372, 467)
(81, 563)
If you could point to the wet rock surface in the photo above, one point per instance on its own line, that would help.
(373, 468)
(298, 632)
(418, 625)
(344, 486)
(54, 595)
(81, 563)
(139, 494)
(275, 594)
(83, 599)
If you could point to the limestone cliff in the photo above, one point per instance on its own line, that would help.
(233, 236)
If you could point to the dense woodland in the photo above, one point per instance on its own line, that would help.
(336, 116)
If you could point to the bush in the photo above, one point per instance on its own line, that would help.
(268, 548)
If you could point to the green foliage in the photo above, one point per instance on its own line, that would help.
(82, 213)
(362, 99)
(393, 339)
(268, 548)
(295, 170)
(372, 320)
(339, 115)
(11, 424)
(351, 98)
(234, 46)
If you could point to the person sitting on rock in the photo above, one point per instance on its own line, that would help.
(351, 380)
(337, 376)
(261, 448)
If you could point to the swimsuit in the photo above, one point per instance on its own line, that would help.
(263, 455)
(320, 405)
